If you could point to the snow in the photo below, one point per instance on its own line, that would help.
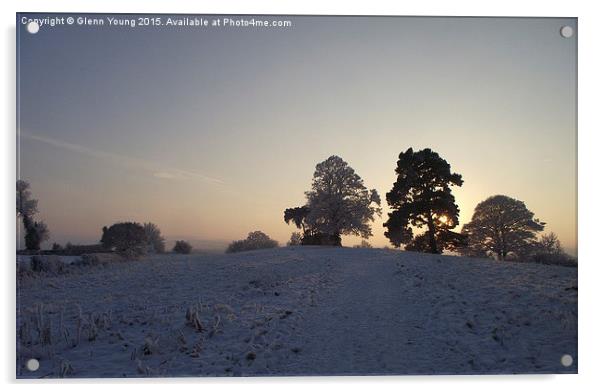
(299, 311)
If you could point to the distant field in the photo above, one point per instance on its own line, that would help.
(299, 311)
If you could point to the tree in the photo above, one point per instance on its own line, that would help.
(339, 203)
(36, 232)
(501, 226)
(154, 239)
(296, 239)
(310, 234)
(182, 247)
(549, 244)
(421, 197)
(297, 215)
(126, 238)
(255, 240)
(548, 250)
(26, 206)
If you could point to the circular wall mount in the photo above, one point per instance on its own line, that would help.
(33, 27)
(566, 31)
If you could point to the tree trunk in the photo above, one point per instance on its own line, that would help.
(504, 251)
(431, 236)
(337, 239)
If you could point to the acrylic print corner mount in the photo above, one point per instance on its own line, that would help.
(252, 195)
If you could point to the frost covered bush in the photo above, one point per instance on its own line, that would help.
(93, 259)
(51, 264)
(255, 240)
(182, 247)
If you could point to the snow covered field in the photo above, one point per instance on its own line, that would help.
(299, 311)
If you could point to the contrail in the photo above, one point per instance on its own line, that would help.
(156, 170)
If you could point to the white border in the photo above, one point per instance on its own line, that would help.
(590, 108)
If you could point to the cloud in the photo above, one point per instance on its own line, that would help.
(169, 175)
(153, 168)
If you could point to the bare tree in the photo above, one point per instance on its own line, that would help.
(549, 244)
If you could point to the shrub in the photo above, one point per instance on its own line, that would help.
(78, 250)
(182, 247)
(35, 233)
(363, 244)
(126, 238)
(554, 259)
(548, 250)
(51, 264)
(255, 240)
(93, 259)
(295, 240)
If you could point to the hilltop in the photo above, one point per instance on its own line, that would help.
(300, 311)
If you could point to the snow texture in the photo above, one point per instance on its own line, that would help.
(298, 311)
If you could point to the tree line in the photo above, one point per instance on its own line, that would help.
(423, 213)
(130, 239)
(424, 216)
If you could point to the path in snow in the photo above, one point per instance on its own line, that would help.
(420, 314)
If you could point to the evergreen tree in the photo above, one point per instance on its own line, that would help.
(421, 197)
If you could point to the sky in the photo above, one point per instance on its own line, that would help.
(212, 132)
